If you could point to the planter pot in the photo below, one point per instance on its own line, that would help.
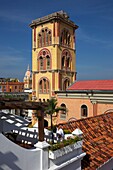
(65, 150)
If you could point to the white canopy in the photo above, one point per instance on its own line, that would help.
(77, 132)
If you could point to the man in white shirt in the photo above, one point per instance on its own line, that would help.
(60, 133)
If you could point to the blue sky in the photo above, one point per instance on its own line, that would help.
(94, 37)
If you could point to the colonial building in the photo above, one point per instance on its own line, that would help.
(85, 99)
(53, 54)
(11, 85)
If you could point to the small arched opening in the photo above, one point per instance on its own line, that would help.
(84, 111)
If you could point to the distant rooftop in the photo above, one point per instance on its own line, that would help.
(61, 15)
(9, 80)
(92, 85)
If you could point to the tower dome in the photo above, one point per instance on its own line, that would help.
(28, 79)
(28, 72)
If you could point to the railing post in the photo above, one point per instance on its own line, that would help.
(44, 154)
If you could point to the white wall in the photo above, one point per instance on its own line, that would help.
(14, 157)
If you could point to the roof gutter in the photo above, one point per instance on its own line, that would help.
(85, 91)
(104, 163)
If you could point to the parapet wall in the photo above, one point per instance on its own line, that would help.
(15, 157)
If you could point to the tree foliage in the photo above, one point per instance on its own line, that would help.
(52, 108)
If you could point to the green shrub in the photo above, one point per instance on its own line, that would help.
(67, 131)
(64, 143)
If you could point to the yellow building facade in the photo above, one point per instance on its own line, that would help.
(53, 54)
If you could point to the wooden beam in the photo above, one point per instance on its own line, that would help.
(38, 106)
(23, 105)
(40, 125)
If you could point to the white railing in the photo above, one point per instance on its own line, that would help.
(30, 135)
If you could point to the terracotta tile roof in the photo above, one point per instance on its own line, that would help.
(98, 139)
(92, 85)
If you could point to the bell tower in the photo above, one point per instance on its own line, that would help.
(53, 54)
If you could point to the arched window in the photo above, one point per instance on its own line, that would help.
(84, 111)
(68, 39)
(47, 86)
(63, 105)
(66, 60)
(41, 63)
(49, 38)
(39, 40)
(63, 62)
(44, 37)
(40, 86)
(66, 84)
(65, 37)
(43, 86)
(62, 112)
(44, 60)
(48, 62)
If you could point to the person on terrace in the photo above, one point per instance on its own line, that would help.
(60, 133)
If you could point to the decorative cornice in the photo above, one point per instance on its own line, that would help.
(95, 97)
(54, 70)
(61, 15)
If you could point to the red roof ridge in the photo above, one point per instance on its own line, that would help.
(92, 85)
